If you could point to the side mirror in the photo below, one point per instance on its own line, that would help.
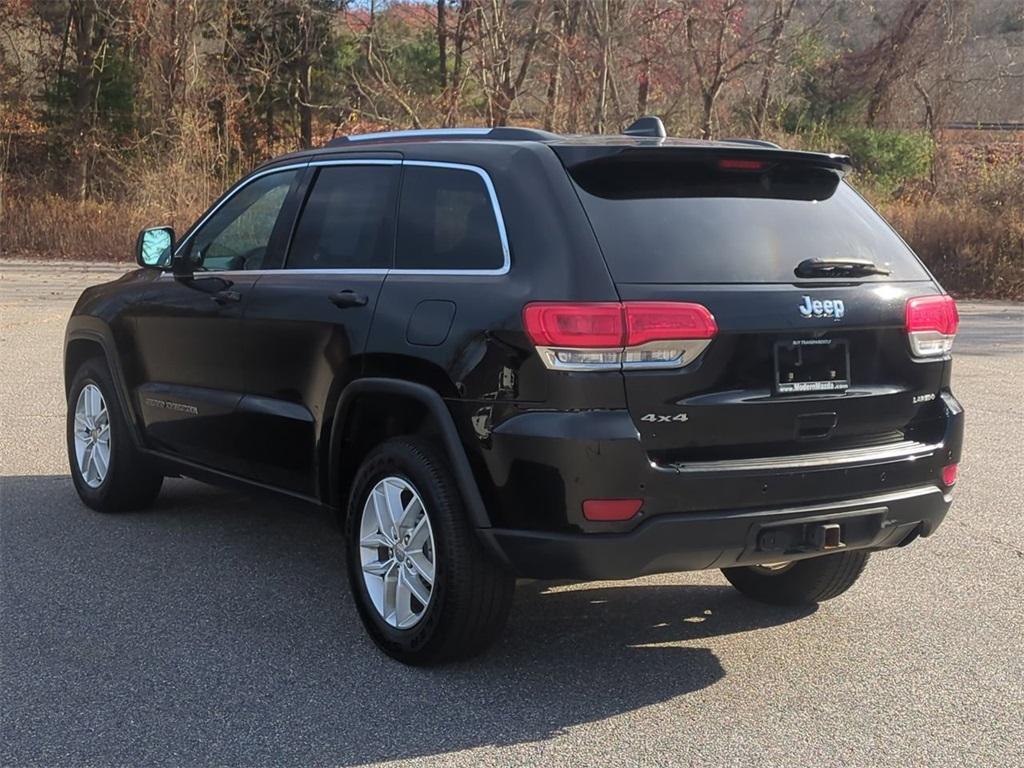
(154, 248)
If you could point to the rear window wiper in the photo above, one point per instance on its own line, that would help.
(838, 267)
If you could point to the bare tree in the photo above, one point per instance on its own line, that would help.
(505, 34)
(877, 69)
(781, 11)
(88, 37)
(452, 98)
(556, 52)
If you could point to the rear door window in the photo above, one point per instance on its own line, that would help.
(684, 222)
(447, 221)
(348, 219)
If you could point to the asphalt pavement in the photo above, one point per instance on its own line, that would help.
(216, 629)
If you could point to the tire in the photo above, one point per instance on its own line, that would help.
(129, 482)
(804, 582)
(468, 599)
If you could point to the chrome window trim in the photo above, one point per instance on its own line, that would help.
(257, 272)
(506, 250)
(238, 188)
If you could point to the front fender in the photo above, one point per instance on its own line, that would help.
(96, 332)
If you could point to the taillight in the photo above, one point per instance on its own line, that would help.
(931, 323)
(613, 335)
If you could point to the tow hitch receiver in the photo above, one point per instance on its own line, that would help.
(827, 537)
(818, 533)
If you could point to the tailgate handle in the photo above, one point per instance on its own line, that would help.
(815, 426)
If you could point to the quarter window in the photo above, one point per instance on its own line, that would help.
(348, 220)
(447, 221)
(238, 234)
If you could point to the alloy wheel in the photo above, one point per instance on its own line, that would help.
(92, 436)
(397, 552)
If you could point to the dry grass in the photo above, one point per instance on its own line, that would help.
(970, 232)
(972, 251)
(172, 189)
(52, 227)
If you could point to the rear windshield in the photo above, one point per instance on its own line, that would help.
(693, 223)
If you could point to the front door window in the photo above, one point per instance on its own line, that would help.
(237, 235)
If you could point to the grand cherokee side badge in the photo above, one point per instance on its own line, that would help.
(170, 405)
(833, 308)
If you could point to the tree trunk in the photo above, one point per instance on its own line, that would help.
(573, 116)
(780, 15)
(305, 106)
(455, 82)
(604, 39)
(268, 126)
(555, 76)
(708, 100)
(84, 14)
(501, 105)
(442, 43)
(643, 88)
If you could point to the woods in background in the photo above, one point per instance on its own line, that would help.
(156, 105)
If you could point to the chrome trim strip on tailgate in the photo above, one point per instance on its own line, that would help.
(908, 449)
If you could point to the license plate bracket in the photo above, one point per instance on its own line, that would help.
(812, 365)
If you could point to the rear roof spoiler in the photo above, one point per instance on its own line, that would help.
(573, 155)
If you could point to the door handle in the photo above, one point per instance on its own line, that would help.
(347, 298)
(223, 297)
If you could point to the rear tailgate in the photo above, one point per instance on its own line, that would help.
(798, 365)
(730, 403)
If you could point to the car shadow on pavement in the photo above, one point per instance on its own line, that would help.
(217, 628)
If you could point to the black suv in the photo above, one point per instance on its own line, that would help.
(501, 353)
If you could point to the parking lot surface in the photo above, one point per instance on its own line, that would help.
(217, 627)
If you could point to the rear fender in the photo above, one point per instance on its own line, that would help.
(440, 420)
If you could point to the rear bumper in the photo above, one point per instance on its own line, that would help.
(706, 515)
(696, 541)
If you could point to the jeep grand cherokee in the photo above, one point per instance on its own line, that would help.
(508, 353)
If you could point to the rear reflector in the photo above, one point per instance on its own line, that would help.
(609, 510)
(931, 322)
(949, 473)
(611, 335)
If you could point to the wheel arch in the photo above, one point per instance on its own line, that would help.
(87, 338)
(78, 350)
(422, 411)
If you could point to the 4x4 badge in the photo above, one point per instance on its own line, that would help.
(833, 308)
(664, 417)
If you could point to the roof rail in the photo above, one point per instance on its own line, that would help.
(446, 134)
(753, 142)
